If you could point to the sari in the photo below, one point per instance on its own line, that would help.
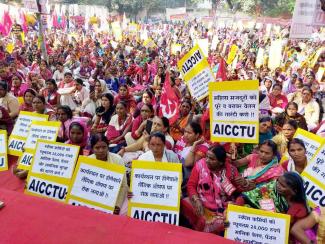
(128, 100)
(214, 190)
(182, 123)
(84, 140)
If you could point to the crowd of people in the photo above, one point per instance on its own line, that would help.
(106, 94)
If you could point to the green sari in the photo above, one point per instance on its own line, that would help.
(253, 197)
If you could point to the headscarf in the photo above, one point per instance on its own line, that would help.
(103, 86)
(81, 122)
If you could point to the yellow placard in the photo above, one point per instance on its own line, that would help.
(19, 134)
(156, 181)
(248, 224)
(20, 100)
(320, 75)
(230, 103)
(260, 58)
(3, 150)
(275, 54)
(10, 47)
(312, 143)
(133, 27)
(232, 54)
(25, 160)
(100, 165)
(314, 176)
(149, 43)
(196, 72)
(176, 48)
(117, 31)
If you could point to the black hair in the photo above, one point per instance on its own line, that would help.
(59, 63)
(52, 81)
(270, 144)
(108, 114)
(96, 138)
(307, 88)
(149, 106)
(159, 135)
(150, 94)
(122, 103)
(296, 183)
(292, 123)
(4, 85)
(40, 97)
(77, 124)
(32, 91)
(196, 127)
(265, 119)
(166, 123)
(278, 85)
(67, 110)
(291, 104)
(296, 141)
(219, 152)
(188, 102)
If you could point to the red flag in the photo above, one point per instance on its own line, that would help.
(222, 70)
(7, 23)
(169, 102)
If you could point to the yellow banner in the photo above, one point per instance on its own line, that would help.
(232, 54)
(3, 150)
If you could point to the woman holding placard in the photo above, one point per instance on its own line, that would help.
(78, 135)
(64, 115)
(298, 160)
(40, 107)
(210, 188)
(99, 146)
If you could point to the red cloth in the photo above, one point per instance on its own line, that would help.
(28, 219)
(222, 70)
(169, 102)
(135, 125)
(280, 101)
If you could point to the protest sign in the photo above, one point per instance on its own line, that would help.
(196, 72)
(314, 177)
(96, 184)
(44, 130)
(52, 168)
(312, 143)
(260, 58)
(275, 54)
(232, 54)
(234, 111)
(156, 189)
(149, 43)
(176, 48)
(117, 31)
(20, 132)
(3, 151)
(248, 225)
(320, 74)
(203, 44)
(214, 43)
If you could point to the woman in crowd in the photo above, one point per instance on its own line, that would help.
(64, 115)
(125, 96)
(267, 85)
(51, 94)
(210, 188)
(78, 135)
(66, 89)
(191, 148)
(81, 93)
(28, 100)
(297, 161)
(265, 132)
(290, 113)
(40, 107)
(262, 166)
(18, 88)
(157, 150)
(147, 98)
(185, 117)
(139, 124)
(119, 125)
(284, 195)
(104, 113)
(304, 230)
(287, 132)
(309, 108)
(100, 89)
(44, 71)
(278, 101)
(99, 146)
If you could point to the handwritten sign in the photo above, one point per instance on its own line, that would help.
(52, 166)
(20, 132)
(275, 54)
(249, 225)
(232, 54)
(3, 151)
(314, 177)
(96, 184)
(312, 143)
(44, 130)
(234, 111)
(196, 72)
(156, 188)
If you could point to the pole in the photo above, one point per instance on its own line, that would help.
(40, 31)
